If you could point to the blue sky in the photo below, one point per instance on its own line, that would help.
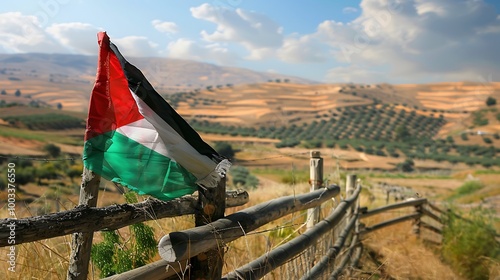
(360, 41)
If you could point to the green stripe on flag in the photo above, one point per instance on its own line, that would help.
(122, 160)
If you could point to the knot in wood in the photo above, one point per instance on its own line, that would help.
(209, 209)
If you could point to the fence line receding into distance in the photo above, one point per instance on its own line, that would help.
(331, 246)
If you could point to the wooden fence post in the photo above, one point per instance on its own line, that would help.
(316, 181)
(350, 186)
(81, 242)
(416, 222)
(212, 204)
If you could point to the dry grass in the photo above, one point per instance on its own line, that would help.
(402, 255)
(46, 259)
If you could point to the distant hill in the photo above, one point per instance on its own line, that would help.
(287, 103)
(68, 79)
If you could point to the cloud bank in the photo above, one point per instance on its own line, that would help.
(389, 40)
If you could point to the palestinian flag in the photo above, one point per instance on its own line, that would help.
(135, 138)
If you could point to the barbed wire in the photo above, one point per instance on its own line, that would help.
(16, 157)
(37, 159)
(273, 157)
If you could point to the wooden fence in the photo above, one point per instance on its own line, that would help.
(330, 246)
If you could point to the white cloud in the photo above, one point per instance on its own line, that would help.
(165, 26)
(185, 49)
(390, 40)
(78, 37)
(21, 33)
(136, 46)
(349, 10)
(415, 40)
(305, 49)
(188, 49)
(256, 32)
(362, 74)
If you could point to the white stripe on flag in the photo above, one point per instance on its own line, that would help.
(177, 147)
(143, 132)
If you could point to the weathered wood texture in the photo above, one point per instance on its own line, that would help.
(208, 265)
(181, 245)
(281, 254)
(391, 222)
(350, 185)
(431, 227)
(328, 260)
(431, 215)
(359, 253)
(158, 270)
(394, 206)
(89, 219)
(435, 208)
(347, 257)
(81, 242)
(316, 182)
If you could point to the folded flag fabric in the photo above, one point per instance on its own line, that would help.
(135, 138)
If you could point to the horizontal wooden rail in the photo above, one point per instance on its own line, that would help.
(431, 215)
(359, 253)
(435, 208)
(156, 270)
(336, 273)
(431, 227)
(328, 260)
(191, 242)
(391, 222)
(153, 271)
(281, 254)
(382, 209)
(89, 219)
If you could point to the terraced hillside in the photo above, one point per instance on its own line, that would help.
(66, 80)
(277, 104)
(448, 121)
(377, 120)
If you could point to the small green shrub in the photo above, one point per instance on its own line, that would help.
(469, 245)
(242, 177)
(116, 255)
(312, 144)
(487, 140)
(225, 149)
(490, 101)
(52, 150)
(407, 166)
(479, 119)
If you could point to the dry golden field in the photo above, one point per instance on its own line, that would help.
(399, 254)
(391, 253)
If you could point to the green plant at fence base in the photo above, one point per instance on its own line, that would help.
(115, 255)
(470, 245)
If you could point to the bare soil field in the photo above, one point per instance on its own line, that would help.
(15, 146)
